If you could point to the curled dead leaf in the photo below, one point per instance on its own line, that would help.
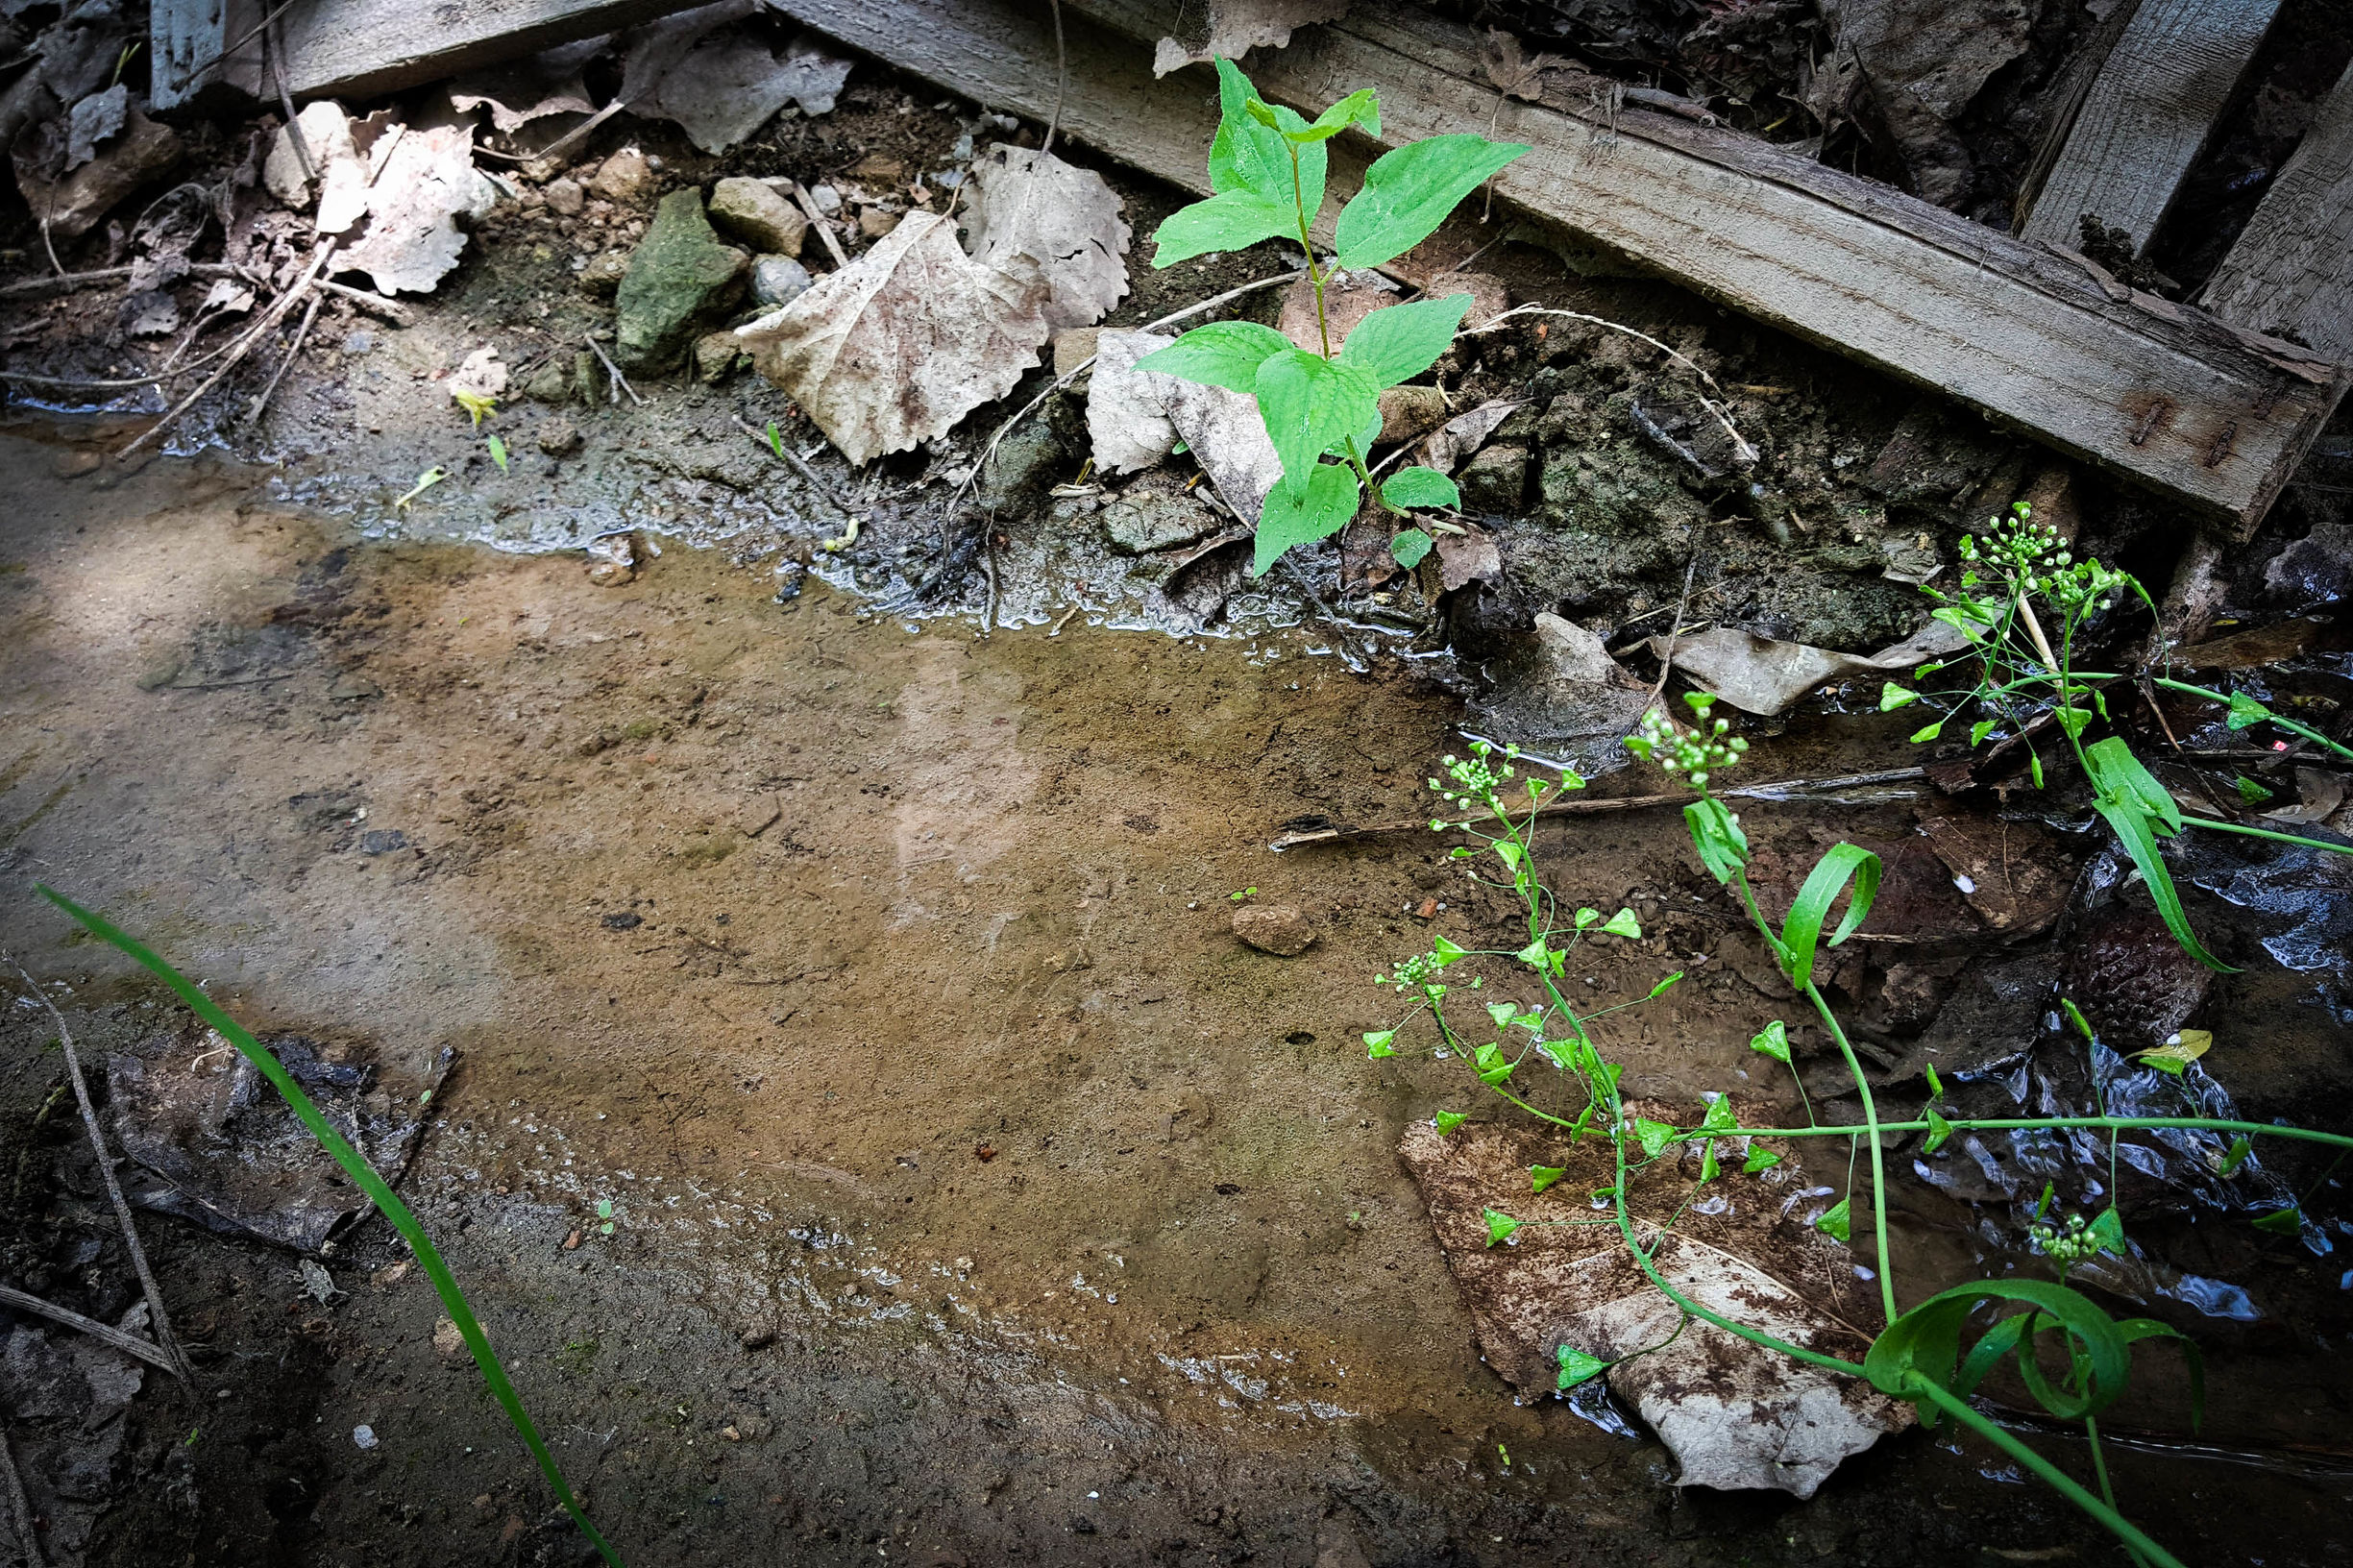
(1063, 217)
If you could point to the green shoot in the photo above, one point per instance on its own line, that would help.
(497, 452)
(1237, 898)
(775, 441)
(481, 406)
(364, 1177)
(425, 481)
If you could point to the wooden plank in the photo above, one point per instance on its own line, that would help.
(362, 48)
(2292, 269)
(2157, 394)
(201, 48)
(2147, 117)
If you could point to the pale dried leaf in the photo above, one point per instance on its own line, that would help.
(1228, 28)
(428, 182)
(96, 118)
(899, 345)
(1064, 218)
(1465, 558)
(547, 82)
(326, 135)
(1464, 435)
(1513, 71)
(1757, 674)
(481, 373)
(731, 84)
(1127, 417)
(1227, 436)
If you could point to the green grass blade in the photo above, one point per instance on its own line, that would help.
(364, 1176)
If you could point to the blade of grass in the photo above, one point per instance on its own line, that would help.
(364, 1175)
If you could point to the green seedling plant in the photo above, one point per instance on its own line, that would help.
(425, 481)
(2014, 577)
(497, 452)
(1545, 1061)
(363, 1176)
(1321, 409)
(479, 406)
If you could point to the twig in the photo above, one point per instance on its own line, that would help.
(91, 384)
(988, 560)
(565, 140)
(274, 55)
(816, 221)
(20, 1505)
(67, 283)
(1745, 453)
(392, 310)
(130, 1344)
(106, 1172)
(240, 348)
(808, 473)
(620, 382)
(310, 313)
(1062, 82)
(1579, 806)
(1675, 629)
(1056, 630)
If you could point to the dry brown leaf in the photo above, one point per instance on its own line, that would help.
(1464, 435)
(523, 90)
(1757, 674)
(719, 81)
(899, 345)
(427, 182)
(1227, 27)
(1064, 219)
(1514, 73)
(1127, 417)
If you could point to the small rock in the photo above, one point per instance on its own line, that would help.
(351, 688)
(551, 383)
(1410, 412)
(715, 356)
(590, 381)
(827, 198)
(557, 437)
(758, 815)
(1140, 524)
(625, 921)
(1024, 464)
(602, 274)
(778, 280)
(755, 212)
(679, 274)
(447, 1340)
(1074, 348)
(72, 207)
(1274, 928)
(879, 166)
(382, 842)
(626, 179)
(360, 341)
(1495, 479)
(873, 222)
(74, 461)
(565, 197)
(612, 561)
(390, 1275)
(364, 1435)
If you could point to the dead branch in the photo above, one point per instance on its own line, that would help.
(816, 221)
(620, 382)
(240, 348)
(130, 1344)
(310, 313)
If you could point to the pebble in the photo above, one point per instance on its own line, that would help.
(827, 198)
(626, 177)
(778, 280)
(557, 436)
(364, 1435)
(565, 197)
(1279, 929)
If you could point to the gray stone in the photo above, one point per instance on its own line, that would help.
(604, 273)
(1408, 411)
(1274, 928)
(778, 279)
(1026, 464)
(558, 436)
(626, 179)
(1494, 480)
(565, 197)
(1140, 524)
(551, 383)
(753, 211)
(679, 276)
(715, 356)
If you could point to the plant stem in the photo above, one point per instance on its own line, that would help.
(1919, 1386)
(1315, 274)
(2265, 833)
(1872, 1129)
(2224, 698)
(2124, 1124)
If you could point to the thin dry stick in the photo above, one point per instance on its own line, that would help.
(130, 1344)
(242, 345)
(310, 313)
(274, 55)
(1745, 452)
(816, 221)
(1675, 629)
(620, 382)
(106, 1172)
(20, 1505)
(66, 282)
(780, 448)
(392, 310)
(1062, 82)
(564, 142)
(91, 385)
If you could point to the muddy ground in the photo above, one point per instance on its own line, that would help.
(976, 1196)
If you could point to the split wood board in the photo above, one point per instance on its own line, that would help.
(2147, 117)
(360, 48)
(197, 45)
(2211, 416)
(2291, 268)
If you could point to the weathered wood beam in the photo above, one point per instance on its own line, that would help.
(358, 48)
(2211, 416)
(2291, 268)
(2147, 117)
(199, 47)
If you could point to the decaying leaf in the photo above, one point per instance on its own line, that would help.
(1468, 557)
(1127, 419)
(896, 347)
(718, 80)
(523, 90)
(96, 118)
(1561, 696)
(1464, 435)
(1224, 29)
(480, 375)
(427, 182)
(1757, 674)
(326, 133)
(1515, 73)
(1064, 219)
(1734, 1414)
(1227, 436)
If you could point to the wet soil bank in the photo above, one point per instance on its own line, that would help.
(978, 1197)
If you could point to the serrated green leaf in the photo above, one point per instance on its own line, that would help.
(1834, 1224)
(1772, 1040)
(1576, 1367)
(1311, 405)
(1408, 547)
(1540, 1177)
(1446, 1121)
(1624, 924)
(1408, 193)
(1397, 343)
(1380, 1043)
(1420, 487)
(1332, 497)
(1231, 220)
(1224, 353)
(1500, 1226)
(1249, 156)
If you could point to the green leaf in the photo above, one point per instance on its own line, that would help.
(1265, 115)
(2252, 792)
(363, 1176)
(1231, 220)
(1420, 487)
(1380, 1043)
(1936, 1085)
(1653, 1135)
(1939, 1129)
(1446, 1121)
(1535, 955)
(1398, 343)
(2288, 1221)
(1408, 548)
(1359, 107)
(2074, 1016)
(1773, 1041)
(1330, 500)
(2108, 1229)
(1723, 848)
(1920, 737)
(1408, 192)
(1540, 1177)
(1759, 1160)
(1925, 1343)
(1491, 1064)
(1719, 1117)
(1979, 731)
(2176, 1054)
(1893, 695)
(1834, 1224)
(1249, 156)
(2236, 1156)
(1225, 354)
(1624, 924)
(1710, 1169)
(1841, 863)
(2135, 806)
(2116, 772)
(497, 452)
(1503, 1013)
(2074, 720)
(2245, 712)
(1447, 952)
(1310, 405)
(1661, 987)
(1576, 1367)
(1587, 918)
(1500, 1226)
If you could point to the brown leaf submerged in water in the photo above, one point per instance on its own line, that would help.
(895, 348)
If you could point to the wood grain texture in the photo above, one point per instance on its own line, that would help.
(2146, 116)
(2292, 269)
(2145, 389)
(358, 48)
(188, 41)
